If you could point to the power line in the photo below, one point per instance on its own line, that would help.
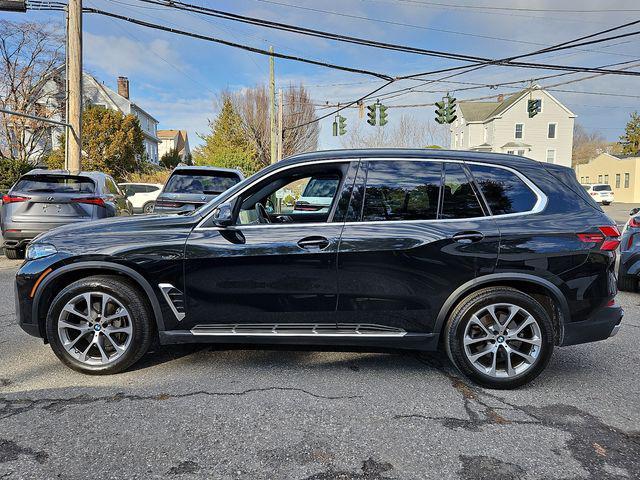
(422, 27)
(396, 47)
(522, 9)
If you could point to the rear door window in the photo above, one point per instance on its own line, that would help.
(458, 197)
(402, 190)
(200, 183)
(54, 184)
(504, 191)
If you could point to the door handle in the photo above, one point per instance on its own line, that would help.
(468, 237)
(314, 242)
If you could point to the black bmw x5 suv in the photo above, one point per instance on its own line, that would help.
(494, 258)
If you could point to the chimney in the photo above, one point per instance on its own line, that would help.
(123, 87)
(500, 97)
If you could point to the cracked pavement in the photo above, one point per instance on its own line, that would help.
(189, 412)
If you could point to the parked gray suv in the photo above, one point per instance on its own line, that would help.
(44, 199)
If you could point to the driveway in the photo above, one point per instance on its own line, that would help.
(232, 413)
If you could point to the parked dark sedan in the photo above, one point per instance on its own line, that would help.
(189, 188)
(629, 263)
(44, 199)
(496, 259)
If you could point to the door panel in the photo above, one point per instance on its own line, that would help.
(262, 274)
(397, 270)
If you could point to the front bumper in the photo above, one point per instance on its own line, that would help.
(602, 325)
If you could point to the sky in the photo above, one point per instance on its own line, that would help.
(177, 79)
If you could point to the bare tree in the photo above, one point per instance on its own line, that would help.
(406, 132)
(587, 145)
(29, 54)
(253, 107)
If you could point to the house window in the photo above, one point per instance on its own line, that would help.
(521, 153)
(617, 180)
(551, 155)
(599, 178)
(586, 179)
(626, 180)
(511, 152)
(606, 179)
(581, 179)
(519, 130)
(486, 134)
(551, 130)
(462, 139)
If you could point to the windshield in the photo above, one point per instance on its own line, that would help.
(201, 183)
(54, 184)
(602, 188)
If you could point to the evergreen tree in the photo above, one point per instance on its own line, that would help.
(171, 159)
(630, 141)
(227, 145)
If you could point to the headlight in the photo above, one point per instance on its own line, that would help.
(39, 250)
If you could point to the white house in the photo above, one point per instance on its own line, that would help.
(97, 93)
(504, 126)
(177, 140)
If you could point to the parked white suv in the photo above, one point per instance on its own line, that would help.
(141, 195)
(600, 192)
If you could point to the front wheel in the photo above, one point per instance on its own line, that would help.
(99, 325)
(148, 208)
(499, 337)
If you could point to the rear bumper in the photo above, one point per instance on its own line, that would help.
(604, 324)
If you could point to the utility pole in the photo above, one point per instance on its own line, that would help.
(67, 131)
(280, 125)
(74, 79)
(272, 106)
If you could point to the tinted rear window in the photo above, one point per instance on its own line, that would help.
(602, 188)
(321, 187)
(504, 190)
(54, 184)
(202, 183)
(402, 190)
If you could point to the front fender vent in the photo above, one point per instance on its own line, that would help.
(175, 299)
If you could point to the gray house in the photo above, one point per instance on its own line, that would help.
(97, 93)
(504, 126)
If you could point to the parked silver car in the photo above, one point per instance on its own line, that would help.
(189, 188)
(44, 199)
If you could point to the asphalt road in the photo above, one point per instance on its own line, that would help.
(211, 412)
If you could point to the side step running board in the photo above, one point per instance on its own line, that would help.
(298, 330)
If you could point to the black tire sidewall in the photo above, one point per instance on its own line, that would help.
(147, 205)
(130, 298)
(460, 317)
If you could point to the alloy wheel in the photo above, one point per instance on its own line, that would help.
(502, 340)
(95, 328)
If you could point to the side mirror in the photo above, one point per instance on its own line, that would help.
(634, 211)
(223, 215)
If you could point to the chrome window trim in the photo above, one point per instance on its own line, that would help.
(539, 206)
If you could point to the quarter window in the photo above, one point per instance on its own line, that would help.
(458, 198)
(504, 191)
(519, 130)
(402, 190)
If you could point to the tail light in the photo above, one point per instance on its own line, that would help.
(90, 200)
(162, 203)
(14, 199)
(608, 237)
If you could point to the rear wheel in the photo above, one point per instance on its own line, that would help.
(627, 283)
(499, 337)
(14, 253)
(148, 208)
(99, 325)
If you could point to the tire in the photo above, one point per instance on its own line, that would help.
(14, 253)
(147, 208)
(606, 203)
(627, 283)
(133, 344)
(461, 324)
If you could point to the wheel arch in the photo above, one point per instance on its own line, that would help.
(548, 294)
(76, 271)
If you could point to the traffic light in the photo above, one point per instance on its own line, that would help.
(451, 110)
(533, 107)
(441, 111)
(383, 115)
(342, 125)
(371, 114)
(335, 128)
